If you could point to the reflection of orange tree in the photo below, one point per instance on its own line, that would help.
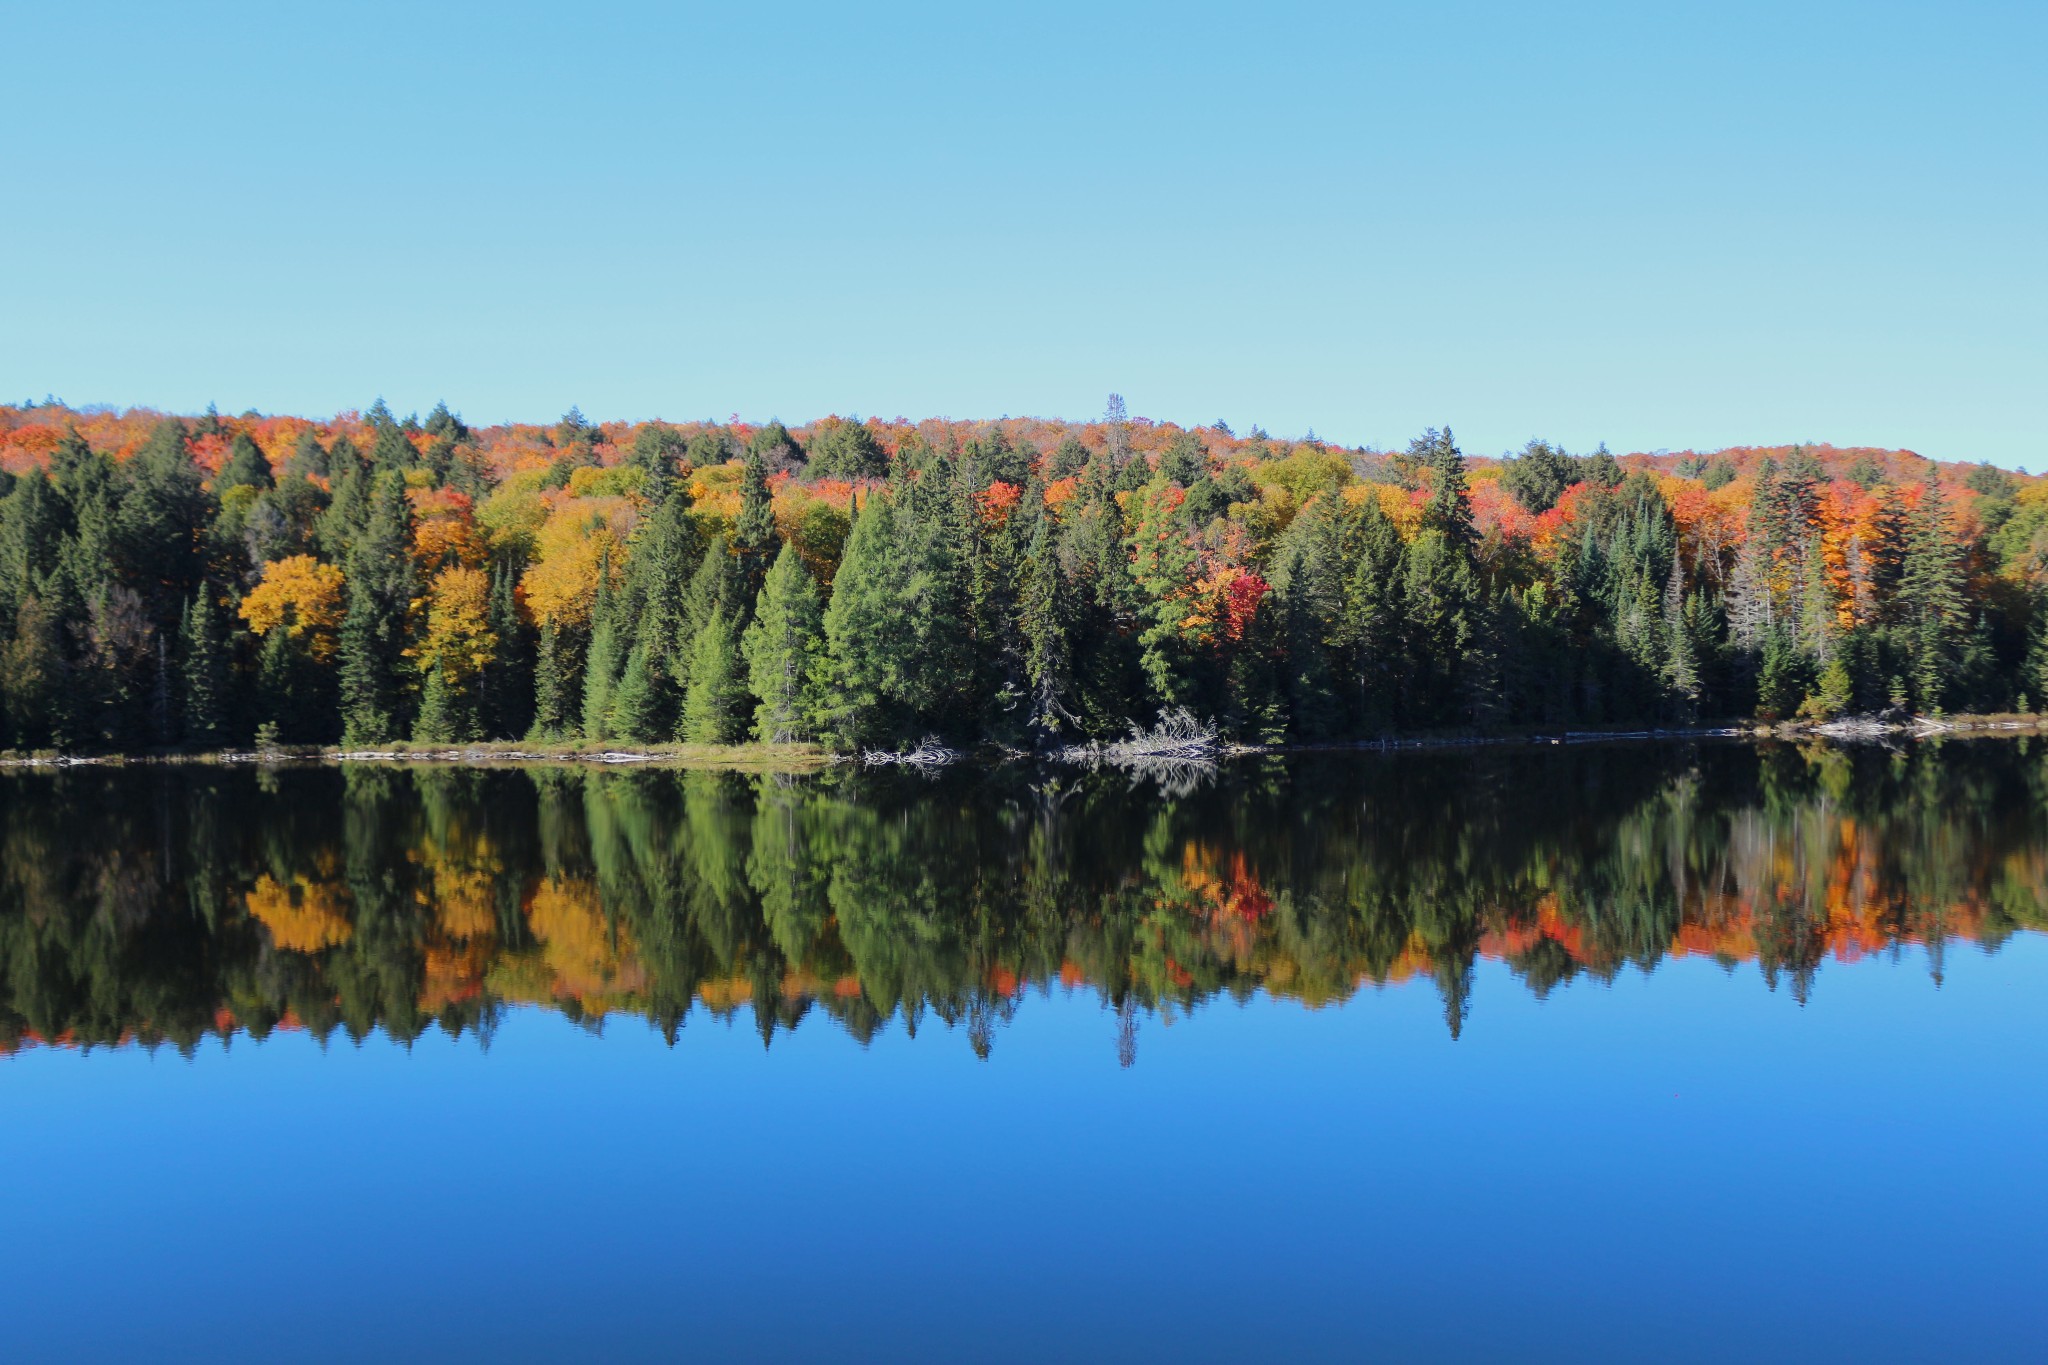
(588, 957)
(303, 916)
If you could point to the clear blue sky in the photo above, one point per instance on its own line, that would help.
(1655, 225)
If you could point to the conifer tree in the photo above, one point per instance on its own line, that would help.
(277, 689)
(1046, 619)
(1681, 656)
(714, 710)
(437, 722)
(637, 715)
(552, 686)
(507, 684)
(754, 536)
(602, 664)
(867, 635)
(1931, 598)
(1449, 511)
(784, 651)
(380, 583)
(203, 675)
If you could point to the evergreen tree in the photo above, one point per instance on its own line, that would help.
(657, 448)
(714, 709)
(437, 722)
(1046, 615)
(1931, 602)
(868, 637)
(784, 651)
(842, 449)
(506, 687)
(602, 664)
(245, 466)
(1449, 510)
(1781, 680)
(277, 689)
(755, 536)
(373, 633)
(1681, 653)
(553, 685)
(637, 715)
(204, 677)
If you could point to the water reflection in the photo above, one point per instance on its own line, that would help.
(164, 905)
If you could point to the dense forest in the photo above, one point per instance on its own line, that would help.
(347, 900)
(207, 582)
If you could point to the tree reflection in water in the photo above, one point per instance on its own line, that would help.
(165, 904)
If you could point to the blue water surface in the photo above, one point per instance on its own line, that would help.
(1679, 1165)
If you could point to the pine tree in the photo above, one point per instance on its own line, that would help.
(552, 685)
(714, 710)
(507, 684)
(784, 650)
(277, 689)
(203, 675)
(1681, 655)
(754, 534)
(366, 716)
(867, 633)
(1781, 680)
(657, 447)
(637, 715)
(1931, 602)
(380, 578)
(437, 722)
(1308, 588)
(1046, 612)
(602, 664)
(1449, 510)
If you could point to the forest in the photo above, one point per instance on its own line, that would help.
(201, 583)
(342, 900)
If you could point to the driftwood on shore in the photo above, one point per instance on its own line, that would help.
(927, 755)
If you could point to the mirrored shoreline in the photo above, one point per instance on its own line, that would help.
(166, 906)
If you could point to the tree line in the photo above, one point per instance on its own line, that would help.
(206, 582)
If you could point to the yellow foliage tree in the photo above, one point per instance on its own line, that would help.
(301, 596)
(459, 635)
(579, 539)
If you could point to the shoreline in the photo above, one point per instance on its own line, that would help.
(809, 758)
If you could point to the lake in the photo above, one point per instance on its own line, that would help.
(1672, 1051)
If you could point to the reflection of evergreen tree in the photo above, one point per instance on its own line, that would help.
(383, 898)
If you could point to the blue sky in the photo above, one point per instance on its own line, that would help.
(1655, 225)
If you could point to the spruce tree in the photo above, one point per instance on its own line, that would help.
(552, 685)
(204, 677)
(1931, 599)
(784, 650)
(1681, 656)
(373, 634)
(867, 635)
(506, 688)
(277, 688)
(437, 722)
(714, 710)
(1046, 612)
(1448, 510)
(601, 665)
(754, 534)
(366, 708)
(637, 715)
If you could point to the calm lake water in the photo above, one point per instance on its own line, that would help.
(1620, 1052)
